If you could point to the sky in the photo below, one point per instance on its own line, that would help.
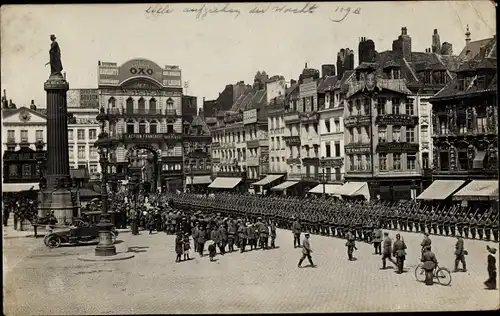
(212, 48)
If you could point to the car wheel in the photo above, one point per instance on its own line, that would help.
(53, 241)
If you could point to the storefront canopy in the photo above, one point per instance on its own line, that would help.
(440, 189)
(268, 179)
(285, 185)
(478, 190)
(328, 189)
(199, 180)
(355, 189)
(224, 183)
(19, 187)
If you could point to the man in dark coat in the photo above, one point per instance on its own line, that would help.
(231, 232)
(200, 239)
(296, 230)
(491, 283)
(223, 237)
(273, 234)
(377, 241)
(242, 236)
(351, 245)
(250, 232)
(460, 254)
(306, 252)
(430, 262)
(399, 251)
(387, 251)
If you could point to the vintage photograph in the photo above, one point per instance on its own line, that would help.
(232, 158)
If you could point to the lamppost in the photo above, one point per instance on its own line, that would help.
(323, 164)
(106, 246)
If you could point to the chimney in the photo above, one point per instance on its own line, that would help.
(305, 65)
(32, 105)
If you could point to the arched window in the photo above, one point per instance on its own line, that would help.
(152, 105)
(130, 127)
(111, 103)
(142, 105)
(142, 127)
(153, 127)
(170, 107)
(130, 105)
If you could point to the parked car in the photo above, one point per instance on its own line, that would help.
(80, 232)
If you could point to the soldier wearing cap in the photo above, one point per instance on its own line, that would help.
(377, 240)
(242, 236)
(466, 225)
(231, 232)
(273, 233)
(473, 227)
(399, 251)
(447, 224)
(306, 251)
(387, 251)
(296, 230)
(494, 228)
(411, 219)
(453, 224)
(434, 224)
(350, 244)
(430, 261)
(223, 239)
(480, 227)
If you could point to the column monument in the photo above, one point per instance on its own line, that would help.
(56, 194)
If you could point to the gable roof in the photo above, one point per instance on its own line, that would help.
(199, 122)
(257, 100)
(327, 83)
(11, 112)
(475, 48)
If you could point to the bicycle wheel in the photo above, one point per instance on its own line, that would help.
(443, 276)
(420, 273)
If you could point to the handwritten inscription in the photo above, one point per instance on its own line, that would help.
(341, 13)
(202, 11)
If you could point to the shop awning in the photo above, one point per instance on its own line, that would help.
(478, 190)
(199, 180)
(355, 189)
(268, 179)
(329, 189)
(478, 162)
(285, 185)
(88, 194)
(19, 187)
(440, 189)
(224, 183)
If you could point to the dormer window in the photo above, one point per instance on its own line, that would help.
(427, 76)
(440, 77)
(395, 73)
(461, 84)
(481, 82)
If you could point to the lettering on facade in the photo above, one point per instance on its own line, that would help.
(250, 116)
(253, 143)
(292, 140)
(152, 149)
(16, 156)
(357, 120)
(397, 119)
(141, 71)
(108, 71)
(336, 162)
(394, 147)
(356, 149)
(233, 118)
(264, 155)
(156, 137)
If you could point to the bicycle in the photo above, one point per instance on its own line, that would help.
(442, 274)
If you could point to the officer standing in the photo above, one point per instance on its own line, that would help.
(351, 245)
(387, 251)
(399, 251)
(296, 230)
(423, 217)
(377, 240)
(473, 227)
(460, 254)
(306, 252)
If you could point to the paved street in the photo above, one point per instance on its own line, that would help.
(39, 280)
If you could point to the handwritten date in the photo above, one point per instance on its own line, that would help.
(343, 13)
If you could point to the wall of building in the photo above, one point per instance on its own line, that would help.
(83, 131)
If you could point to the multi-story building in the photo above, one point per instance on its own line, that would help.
(276, 132)
(23, 146)
(197, 155)
(225, 100)
(382, 119)
(189, 108)
(144, 105)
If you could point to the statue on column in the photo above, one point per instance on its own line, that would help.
(55, 57)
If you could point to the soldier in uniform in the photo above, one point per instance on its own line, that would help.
(422, 222)
(231, 232)
(296, 230)
(395, 218)
(377, 240)
(494, 228)
(242, 237)
(201, 239)
(351, 245)
(434, 223)
(411, 218)
(447, 223)
(387, 251)
(404, 221)
(466, 225)
(224, 237)
(273, 234)
(460, 224)
(441, 224)
(460, 254)
(194, 233)
(399, 251)
(428, 222)
(480, 227)
(453, 224)
(250, 232)
(473, 227)
(264, 236)
(487, 228)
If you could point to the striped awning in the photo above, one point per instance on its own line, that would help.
(285, 185)
(19, 187)
(440, 189)
(328, 189)
(478, 190)
(199, 180)
(268, 179)
(224, 183)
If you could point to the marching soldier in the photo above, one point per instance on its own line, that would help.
(404, 221)
(273, 234)
(422, 222)
(434, 222)
(394, 219)
(296, 230)
(377, 240)
(387, 251)
(411, 220)
(447, 223)
(453, 224)
(441, 224)
(466, 225)
(494, 228)
(231, 232)
(242, 237)
(480, 227)
(473, 227)
(460, 254)
(428, 222)
(351, 245)
(460, 224)
(264, 235)
(250, 232)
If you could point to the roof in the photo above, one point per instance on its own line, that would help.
(292, 88)
(475, 48)
(10, 112)
(258, 100)
(198, 121)
(326, 83)
(210, 120)
(246, 101)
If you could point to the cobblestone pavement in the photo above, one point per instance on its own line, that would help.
(46, 281)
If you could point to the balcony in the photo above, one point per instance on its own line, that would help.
(198, 154)
(198, 138)
(396, 119)
(149, 113)
(215, 145)
(310, 161)
(291, 117)
(309, 118)
(11, 140)
(394, 147)
(292, 140)
(171, 159)
(215, 160)
(172, 173)
(151, 137)
(304, 177)
(24, 141)
(332, 162)
(253, 162)
(293, 161)
(358, 120)
(238, 174)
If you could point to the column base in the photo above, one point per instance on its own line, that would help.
(59, 202)
(106, 245)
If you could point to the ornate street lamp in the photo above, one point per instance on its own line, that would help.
(106, 246)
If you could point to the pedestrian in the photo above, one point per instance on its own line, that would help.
(273, 234)
(179, 245)
(387, 251)
(491, 283)
(377, 240)
(201, 239)
(306, 251)
(212, 250)
(187, 246)
(399, 251)
(430, 263)
(460, 254)
(351, 245)
(296, 230)
(425, 242)
(242, 236)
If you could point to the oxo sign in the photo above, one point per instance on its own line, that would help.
(141, 71)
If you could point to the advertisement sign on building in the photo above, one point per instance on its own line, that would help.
(83, 98)
(250, 116)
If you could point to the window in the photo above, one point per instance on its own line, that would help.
(382, 134)
(26, 170)
(443, 161)
(170, 128)
(396, 134)
(395, 73)
(13, 170)
(351, 163)
(480, 121)
(396, 161)
(351, 135)
(142, 105)
(142, 127)
(480, 83)
(395, 105)
(358, 107)
(39, 135)
(381, 106)
(461, 84)
(425, 160)
(360, 162)
(70, 134)
(328, 174)
(411, 162)
(358, 134)
(170, 106)
(71, 153)
(337, 149)
(382, 162)
(152, 105)
(130, 127)
(93, 168)
(92, 133)
(153, 127)
(81, 152)
(349, 107)
(368, 162)
(327, 126)
(337, 125)
(93, 152)
(328, 150)
(424, 131)
(410, 134)
(338, 175)
(427, 76)
(111, 102)
(130, 105)
(366, 106)
(410, 108)
(11, 134)
(24, 136)
(463, 160)
(81, 134)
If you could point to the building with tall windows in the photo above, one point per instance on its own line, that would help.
(144, 105)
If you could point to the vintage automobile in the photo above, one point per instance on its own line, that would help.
(80, 232)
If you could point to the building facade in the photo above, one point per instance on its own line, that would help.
(276, 132)
(144, 105)
(197, 155)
